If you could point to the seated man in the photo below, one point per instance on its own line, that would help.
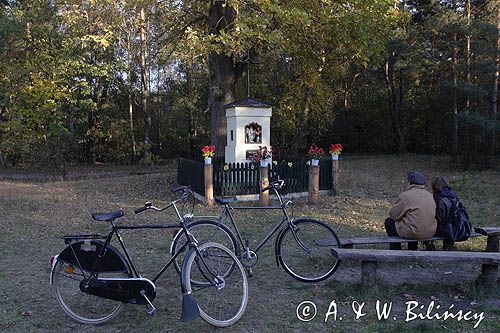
(413, 215)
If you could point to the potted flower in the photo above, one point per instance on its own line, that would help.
(263, 155)
(335, 150)
(315, 154)
(208, 153)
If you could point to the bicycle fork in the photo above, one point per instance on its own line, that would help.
(277, 250)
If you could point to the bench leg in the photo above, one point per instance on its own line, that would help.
(489, 273)
(368, 273)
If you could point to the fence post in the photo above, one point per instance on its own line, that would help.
(335, 177)
(313, 184)
(209, 185)
(264, 182)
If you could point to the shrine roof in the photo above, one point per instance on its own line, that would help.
(249, 102)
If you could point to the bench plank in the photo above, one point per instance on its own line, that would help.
(379, 240)
(423, 256)
(488, 231)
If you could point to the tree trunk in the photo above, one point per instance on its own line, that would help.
(222, 74)
(454, 130)
(3, 165)
(494, 99)
(91, 116)
(396, 110)
(145, 83)
(466, 152)
(190, 91)
(130, 94)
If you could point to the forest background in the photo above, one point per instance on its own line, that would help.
(127, 81)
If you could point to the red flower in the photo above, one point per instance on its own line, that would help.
(335, 148)
(315, 152)
(263, 153)
(208, 151)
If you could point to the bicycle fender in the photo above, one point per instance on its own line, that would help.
(184, 270)
(190, 309)
(87, 253)
(277, 251)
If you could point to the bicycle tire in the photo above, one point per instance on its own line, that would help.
(220, 234)
(232, 293)
(82, 307)
(319, 238)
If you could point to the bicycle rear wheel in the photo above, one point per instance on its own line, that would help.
(304, 251)
(222, 298)
(204, 231)
(82, 307)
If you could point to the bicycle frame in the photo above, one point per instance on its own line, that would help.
(286, 218)
(115, 230)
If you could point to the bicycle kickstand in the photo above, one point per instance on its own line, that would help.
(150, 307)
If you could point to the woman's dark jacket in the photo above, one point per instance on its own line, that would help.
(444, 200)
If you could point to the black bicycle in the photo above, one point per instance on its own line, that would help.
(93, 281)
(302, 246)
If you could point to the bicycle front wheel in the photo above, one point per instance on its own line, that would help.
(203, 231)
(222, 298)
(304, 251)
(82, 307)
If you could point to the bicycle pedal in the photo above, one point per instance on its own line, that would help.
(249, 272)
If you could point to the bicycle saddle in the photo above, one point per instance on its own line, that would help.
(107, 216)
(225, 200)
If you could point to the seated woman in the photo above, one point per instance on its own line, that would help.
(443, 196)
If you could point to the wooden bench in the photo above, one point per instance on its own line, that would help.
(350, 242)
(489, 272)
(369, 259)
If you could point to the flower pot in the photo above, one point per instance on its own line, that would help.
(314, 162)
(208, 160)
(263, 163)
(335, 157)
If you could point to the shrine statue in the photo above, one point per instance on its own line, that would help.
(253, 133)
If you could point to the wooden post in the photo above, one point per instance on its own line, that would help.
(335, 177)
(313, 184)
(489, 273)
(209, 185)
(264, 182)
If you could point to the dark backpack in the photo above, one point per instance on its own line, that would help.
(458, 227)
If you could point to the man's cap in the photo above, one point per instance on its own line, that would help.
(416, 178)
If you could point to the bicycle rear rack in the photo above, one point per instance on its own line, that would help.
(69, 238)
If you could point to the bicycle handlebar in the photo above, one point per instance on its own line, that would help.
(181, 188)
(276, 185)
(147, 205)
(185, 193)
